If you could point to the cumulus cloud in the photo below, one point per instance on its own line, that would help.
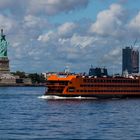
(14, 8)
(66, 28)
(48, 7)
(81, 41)
(34, 22)
(38, 42)
(112, 55)
(135, 23)
(67, 34)
(50, 36)
(32, 38)
(52, 7)
(100, 47)
(7, 3)
(109, 21)
(7, 23)
(77, 41)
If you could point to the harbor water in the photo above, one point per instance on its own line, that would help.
(26, 114)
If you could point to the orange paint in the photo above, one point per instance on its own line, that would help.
(75, 85)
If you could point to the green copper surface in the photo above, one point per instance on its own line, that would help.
(3, 46)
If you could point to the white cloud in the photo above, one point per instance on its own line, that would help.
(51, 46)
(81, 41)
(52, 7)
(108, 21)
(7, 3)
(34, 22)
(31, 21)
(66, 33)
(7, 23)
(47, 37)
(78, 41)
(48, 7)
(113, 55)
(63, 31)
(66, 28)
(135, 23)
(14, 8)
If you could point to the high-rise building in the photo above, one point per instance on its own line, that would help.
(99, 72)
(130, 60)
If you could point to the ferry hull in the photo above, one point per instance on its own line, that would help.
(101, 96)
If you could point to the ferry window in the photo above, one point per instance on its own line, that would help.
(71, 89)
(84, 80)
(89, 81)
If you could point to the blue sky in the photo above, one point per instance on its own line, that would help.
(89, 12)
(93, 8)
(48, 35)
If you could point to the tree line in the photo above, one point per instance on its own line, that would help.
(35, 77)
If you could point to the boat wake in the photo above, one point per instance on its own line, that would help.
(66, 98)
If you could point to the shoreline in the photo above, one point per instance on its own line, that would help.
(22, 85)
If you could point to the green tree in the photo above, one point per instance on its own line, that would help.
(20, 74)
(37, 78)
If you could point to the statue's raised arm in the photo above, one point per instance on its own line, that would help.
(3, 45)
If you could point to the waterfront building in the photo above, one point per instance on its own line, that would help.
(130, 60)
(99, 72)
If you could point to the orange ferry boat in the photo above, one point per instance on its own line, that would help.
(91, 86)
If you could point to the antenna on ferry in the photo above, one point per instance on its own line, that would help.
(113, 67)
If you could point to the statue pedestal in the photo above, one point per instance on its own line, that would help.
(4, 65)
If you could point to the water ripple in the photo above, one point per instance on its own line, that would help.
(24, 114)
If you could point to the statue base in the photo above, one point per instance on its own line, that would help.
(4, 65)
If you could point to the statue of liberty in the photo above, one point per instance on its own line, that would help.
(3, 45)
(4, 61)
